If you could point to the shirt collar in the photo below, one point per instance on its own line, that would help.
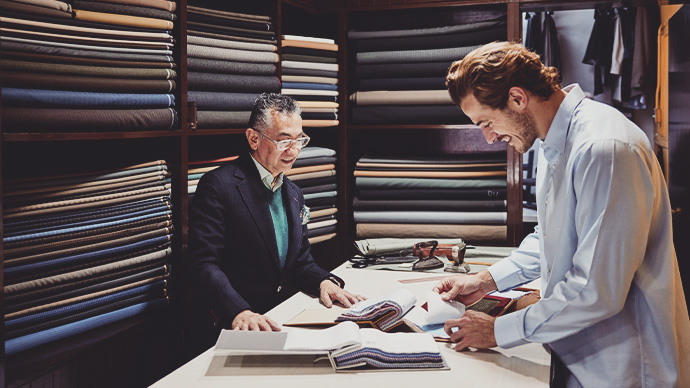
(271, 183)
(554, 143)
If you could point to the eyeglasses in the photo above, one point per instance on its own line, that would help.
(286, 144)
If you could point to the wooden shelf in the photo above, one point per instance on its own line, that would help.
(367, 127)
(28, 137)
(219, 131)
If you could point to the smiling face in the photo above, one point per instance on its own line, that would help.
(517, 128)
(283, 127)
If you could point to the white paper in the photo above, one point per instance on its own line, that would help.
(335, 337)
(439, 311)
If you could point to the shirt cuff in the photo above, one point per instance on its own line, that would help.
(505, 274)
(508, 329)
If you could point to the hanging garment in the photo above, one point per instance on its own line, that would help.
(534, 39)
(552, 50)
(599, 47)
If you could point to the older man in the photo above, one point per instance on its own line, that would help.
(248, 234)
(612, 311)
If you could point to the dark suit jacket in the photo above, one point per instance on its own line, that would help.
(233, 247)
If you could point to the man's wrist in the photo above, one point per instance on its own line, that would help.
(487, 281)
(332, 279)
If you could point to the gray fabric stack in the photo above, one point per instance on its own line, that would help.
(400, 73)
(231, 59)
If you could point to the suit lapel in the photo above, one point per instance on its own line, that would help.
(255, 197)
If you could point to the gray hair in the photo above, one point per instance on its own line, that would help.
(262, 118)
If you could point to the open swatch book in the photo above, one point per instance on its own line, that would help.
(345, 345)
(395, 311)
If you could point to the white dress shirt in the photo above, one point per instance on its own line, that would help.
(612, 305)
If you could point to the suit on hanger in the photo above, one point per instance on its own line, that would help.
(233, 249)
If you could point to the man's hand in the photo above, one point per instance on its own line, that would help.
(248, 320)
(330, 293)
(466, 288)
(474, 329)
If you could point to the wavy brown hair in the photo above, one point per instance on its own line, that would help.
(491, 70)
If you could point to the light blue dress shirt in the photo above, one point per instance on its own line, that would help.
(612, 305)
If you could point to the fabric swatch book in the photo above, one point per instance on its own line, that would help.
(384, 313)
(345, 345)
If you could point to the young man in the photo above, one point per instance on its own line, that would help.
(612, 311)
(248, 234)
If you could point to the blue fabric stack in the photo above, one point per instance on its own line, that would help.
(314, 173)
(83, 250)
(231, 59)
(87, 66)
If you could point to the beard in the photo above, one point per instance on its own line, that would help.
(525, 130)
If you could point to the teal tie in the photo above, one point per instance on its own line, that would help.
(280, 224)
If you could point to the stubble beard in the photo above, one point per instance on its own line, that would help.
(525, 128)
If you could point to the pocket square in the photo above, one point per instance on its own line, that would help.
(304, 214)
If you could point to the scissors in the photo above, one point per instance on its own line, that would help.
(359, 261)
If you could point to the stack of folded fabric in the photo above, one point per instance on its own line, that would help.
(400, 74)
(83, 250)
(198, 168)
(310, 75)
(231, 59)
(450, 197)
(314, 173)
(87, 65)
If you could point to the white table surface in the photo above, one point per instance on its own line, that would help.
(523, 366)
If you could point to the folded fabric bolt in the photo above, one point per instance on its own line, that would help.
(88, 119)
(432, 41)
(88, 31)
(320, 123)
(430, 205)
(316, 80)
(232, 83)
(228, 54)
(217, 119)
(430, 217)
(83, 53)
(310, 92)
(310, 65)
(162, 50)
(50, 4)
(421, 83)
(469, 233)
(229, 44)
(229, 67)
(311, 86)
(222, 100)
(402, 97)
(413, 56)
(468, 27)
(123, 9)
(12, 97)
(135, 21)
(95, 71)
(308, 39)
